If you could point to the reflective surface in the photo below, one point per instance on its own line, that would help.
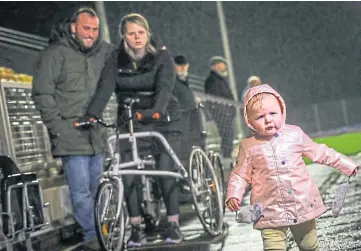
(339, 234)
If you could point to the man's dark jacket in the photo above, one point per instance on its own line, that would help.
(218, 86)
(65, 81)
(189, 124)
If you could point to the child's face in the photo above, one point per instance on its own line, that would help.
(265, 115)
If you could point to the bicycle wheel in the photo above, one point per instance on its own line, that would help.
(109, 228)
(206, 191)
(217, 164)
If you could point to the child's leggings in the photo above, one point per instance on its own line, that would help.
(305, 235)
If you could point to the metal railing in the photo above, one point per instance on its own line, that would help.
(326, 118)
(322, 119)
(223, 112)
(316, 119)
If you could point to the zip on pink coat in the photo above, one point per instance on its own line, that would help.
(278, 175)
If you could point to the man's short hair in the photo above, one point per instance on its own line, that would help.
(216, 59)
(180, 60)
(87, 10)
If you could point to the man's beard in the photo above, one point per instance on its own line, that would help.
(82, 42)
(223, 73)
(182, 75)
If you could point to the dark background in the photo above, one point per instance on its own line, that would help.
(309, 51)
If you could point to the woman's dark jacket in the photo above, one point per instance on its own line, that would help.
(151, 80)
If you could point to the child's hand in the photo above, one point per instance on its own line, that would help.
(355, 171)
(233, 204)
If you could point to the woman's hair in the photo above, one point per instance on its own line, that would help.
(141, 21)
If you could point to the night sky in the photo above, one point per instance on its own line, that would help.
(309, 51)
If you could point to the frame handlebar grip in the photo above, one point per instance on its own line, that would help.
(138, 116)
(155, 116)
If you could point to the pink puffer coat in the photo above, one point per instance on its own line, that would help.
(278, 175)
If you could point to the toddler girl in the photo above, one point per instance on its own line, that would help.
(271, 161)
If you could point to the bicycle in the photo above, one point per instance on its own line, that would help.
(201, 178)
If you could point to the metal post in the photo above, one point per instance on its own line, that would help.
(9, 246)
(344, 111)
(28, 244)
(227, 51)
(317, 117)
(232, 81)
(99, 6)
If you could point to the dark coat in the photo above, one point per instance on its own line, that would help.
(218, 86)
(189, 124)
(151, 80)
(183, 94)
(64, 83)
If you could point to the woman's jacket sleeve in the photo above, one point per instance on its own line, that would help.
(105, 88)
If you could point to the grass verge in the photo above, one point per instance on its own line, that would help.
(347, 144)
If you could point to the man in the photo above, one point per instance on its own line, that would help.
(189, 123)
(181, 87)
(251, 82)
(181, 68)
(64, 83)
(189, 126)
(216, 83)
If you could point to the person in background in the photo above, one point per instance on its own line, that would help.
(252, 81)
(65, 81)
(217, 81)
(182, 91)
(181, 69)
(189, 124)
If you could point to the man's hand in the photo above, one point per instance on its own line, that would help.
(233, 204)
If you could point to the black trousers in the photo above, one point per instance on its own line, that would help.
(168, 185)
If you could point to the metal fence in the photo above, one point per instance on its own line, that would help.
(223, 112)
(322, 118)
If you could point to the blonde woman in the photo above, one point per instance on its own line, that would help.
(143, 68)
